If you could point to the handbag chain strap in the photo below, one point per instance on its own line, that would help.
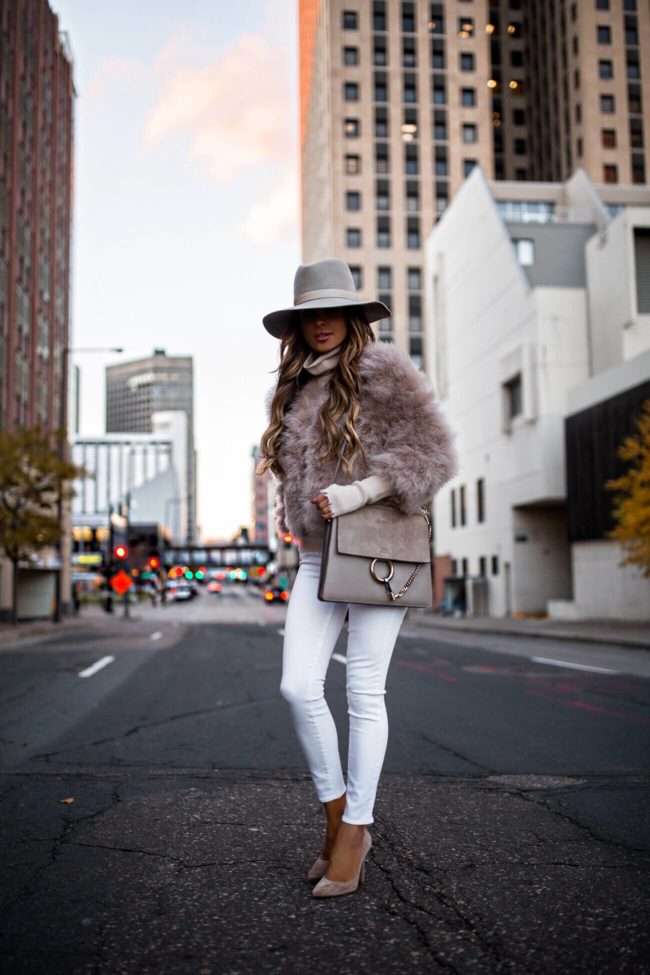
(405, 588)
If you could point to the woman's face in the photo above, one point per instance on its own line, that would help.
(323, 328)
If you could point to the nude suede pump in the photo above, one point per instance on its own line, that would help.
(318, 869)
(335, 888)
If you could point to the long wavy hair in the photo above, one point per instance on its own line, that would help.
(340, 410)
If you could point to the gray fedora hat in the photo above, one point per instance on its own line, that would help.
(325, 284)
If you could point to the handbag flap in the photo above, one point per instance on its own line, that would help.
(379, 531)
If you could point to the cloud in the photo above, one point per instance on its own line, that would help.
(276, 216)
(237, 112)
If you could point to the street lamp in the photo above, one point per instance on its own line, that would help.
(63, 439)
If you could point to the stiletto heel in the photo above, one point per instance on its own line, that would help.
(335, 888)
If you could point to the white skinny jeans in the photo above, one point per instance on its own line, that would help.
(310, 633)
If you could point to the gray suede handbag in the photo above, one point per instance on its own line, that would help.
(374, 556)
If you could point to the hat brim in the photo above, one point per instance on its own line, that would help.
(276, 322)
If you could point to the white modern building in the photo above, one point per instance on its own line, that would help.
(523, 316)
(148, 469)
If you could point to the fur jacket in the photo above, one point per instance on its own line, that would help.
(404, 432)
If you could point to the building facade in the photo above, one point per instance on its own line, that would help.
(400, 100)
(136, 390)
(36, 121)
(36, 139)
(528, 301)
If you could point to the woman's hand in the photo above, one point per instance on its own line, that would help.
(322, 501)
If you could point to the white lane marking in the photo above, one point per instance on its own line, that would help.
(339, 656)
(98, 665)
(563, 663)
(156, 636)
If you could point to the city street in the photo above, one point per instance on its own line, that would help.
(158, 818)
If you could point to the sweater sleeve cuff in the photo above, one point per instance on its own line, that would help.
(344, 498)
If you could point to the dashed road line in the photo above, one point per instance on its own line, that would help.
(98, 665)
(572, 666)
(156, 636)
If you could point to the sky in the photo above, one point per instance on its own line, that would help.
(185, 226)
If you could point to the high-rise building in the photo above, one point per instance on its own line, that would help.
(136, 390)
(400, 100)
(36, 114)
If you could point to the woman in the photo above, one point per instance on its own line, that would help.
(341, 394)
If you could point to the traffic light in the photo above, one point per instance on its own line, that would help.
(154, 563)
(120, 553)
(287, 538)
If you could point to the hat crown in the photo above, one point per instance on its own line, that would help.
(323, 275)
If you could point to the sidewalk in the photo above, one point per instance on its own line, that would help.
(614, 632)
(37, 630)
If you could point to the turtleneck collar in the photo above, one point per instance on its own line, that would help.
(317, 365)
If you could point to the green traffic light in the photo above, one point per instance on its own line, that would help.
(189, 574)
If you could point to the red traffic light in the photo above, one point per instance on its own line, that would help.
(120, 552)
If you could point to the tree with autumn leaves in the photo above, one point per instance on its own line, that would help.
(631, 510)
(34, 477)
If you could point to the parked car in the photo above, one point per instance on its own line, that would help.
(276, 594)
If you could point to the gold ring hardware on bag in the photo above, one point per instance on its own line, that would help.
(377, 578)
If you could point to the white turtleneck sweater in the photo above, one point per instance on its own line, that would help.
(344, 498)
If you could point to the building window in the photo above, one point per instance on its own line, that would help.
(470, 132)
(603, 34)
(579, 148)
(353, 237)
(350, 20)
(351, 128)
(578, 112)
(465, 27)
(452, 497)
(638, 168)
(464, 567)
(633, 69)
(605, 69)
(438, 62)
(351, 91)
(463, 504)
(353, 200)
(634, 99)
(631, 32)
(357, 276)
(607, 104)
(383, 232)
(384, 278)
(468, 97)
(382, 194)
(642, 269)
(411, 164)
(415, 313)
(610, 173)
(414, 279)
(381, 123)
(602, 4)
(513, 397)
(379, 15)
(412, 196)
(518, 117)
(408, 18)
(525, 250)
(380, 54)
(608, 138)
(576, 78)
(466, 61)
(480, 500)
(409, 53)
(350, 56)
(416, 350)
(381, 87)
(482, 565)
(441, 166)
(410, 90)
(352, 165)
(468, 166)
(495, 565)
(382, 158)
(412, 232)
(516, 59)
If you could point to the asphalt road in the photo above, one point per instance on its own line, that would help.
(157, 816)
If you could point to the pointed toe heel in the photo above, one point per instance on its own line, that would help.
(336, 888)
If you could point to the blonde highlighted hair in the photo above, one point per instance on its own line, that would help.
(342, 403)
